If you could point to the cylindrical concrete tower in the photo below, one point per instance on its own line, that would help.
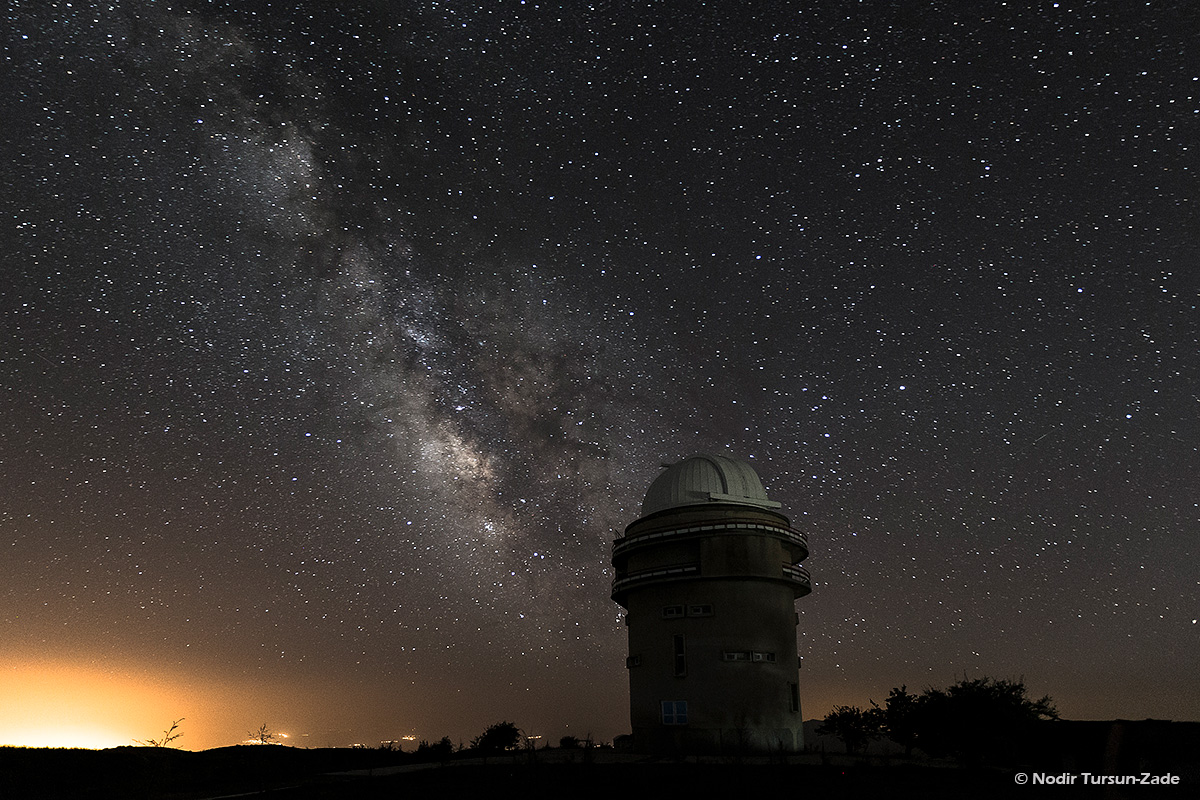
(709, 575)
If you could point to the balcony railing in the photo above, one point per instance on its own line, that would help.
(621, 583)
(798, 574)
(788, 534)
(793, 573)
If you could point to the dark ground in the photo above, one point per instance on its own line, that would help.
(285, 773)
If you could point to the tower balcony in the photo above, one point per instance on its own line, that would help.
(793, 574)
(799, 578)
(623, 583)
(795, 540)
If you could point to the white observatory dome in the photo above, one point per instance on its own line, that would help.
(706, 479)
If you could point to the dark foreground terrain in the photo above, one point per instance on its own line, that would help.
(285, 773)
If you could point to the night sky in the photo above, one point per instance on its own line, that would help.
(338, 345)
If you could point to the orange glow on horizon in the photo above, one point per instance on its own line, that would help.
(97, 703)
(69, 736)
(50, 704)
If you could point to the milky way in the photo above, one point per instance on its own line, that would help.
(339, 345)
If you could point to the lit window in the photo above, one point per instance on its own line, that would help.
(674, 712)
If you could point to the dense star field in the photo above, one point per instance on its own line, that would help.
(340, 342)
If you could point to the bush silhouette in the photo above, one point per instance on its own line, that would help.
(854, 726)
(438, 751)
(978, 720)
(497, 738)
(169, 735)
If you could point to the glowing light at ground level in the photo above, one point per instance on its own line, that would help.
(96, 701)
(81, 736)
(48, 704)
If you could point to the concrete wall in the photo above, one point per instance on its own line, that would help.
(738, 629)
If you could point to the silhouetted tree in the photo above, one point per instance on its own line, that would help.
(854, 726)
(438, 751)
(900, 712)
(169, 735)
(497, 738)
(569, 743)
(263, 735)
(980, 719)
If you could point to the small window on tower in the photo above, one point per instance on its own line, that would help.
(736, 655)
(680, 654)
(633, 661)
(701, 610)
(795, 694)
(672, 612)
(674, 712)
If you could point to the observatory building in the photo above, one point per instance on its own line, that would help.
(709, 574)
